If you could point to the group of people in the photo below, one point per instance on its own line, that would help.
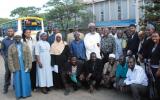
(103, 57)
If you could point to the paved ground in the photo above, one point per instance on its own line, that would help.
(58, 95)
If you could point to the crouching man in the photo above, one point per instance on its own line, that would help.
(109, 70)
(92, 73)
(71, 77)
(136, 80)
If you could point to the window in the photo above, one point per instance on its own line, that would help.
(102, 16)
(119, 9)
(31, 24)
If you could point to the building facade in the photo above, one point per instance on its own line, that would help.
(120, 13)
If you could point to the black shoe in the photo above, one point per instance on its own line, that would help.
(48, 89)
(66, 92)
(75, 88)
(35, 90)
(91, 89)
(17, 98)
(44, 91)
(5, 91)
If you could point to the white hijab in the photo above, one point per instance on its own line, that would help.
(57, 47)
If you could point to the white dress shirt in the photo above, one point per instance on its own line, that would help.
(31, 43)
(137, 76)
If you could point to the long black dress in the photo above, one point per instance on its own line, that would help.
(60, 60)
(154, 56)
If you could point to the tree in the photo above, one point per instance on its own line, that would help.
(86, 17)
(24, 11)
(4, 20)
(65, 13)
(152, 14)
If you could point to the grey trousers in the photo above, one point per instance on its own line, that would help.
(7, 75)
(138, 91)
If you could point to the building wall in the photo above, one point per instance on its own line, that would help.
(124, 10)
(132, 9)
(114, 10)
(106, 11)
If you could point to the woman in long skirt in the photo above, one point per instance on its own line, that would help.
(59, 56)
(31, 43)
(44, 71)
(19, 61)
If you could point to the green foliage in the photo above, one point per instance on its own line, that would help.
(152, 13)
(52, 3)
(63, 13)
(24, 11)
(86, 18)
(4, 20)
(66, 13)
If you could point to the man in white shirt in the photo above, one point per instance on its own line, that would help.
(136, 79)
(92, 41)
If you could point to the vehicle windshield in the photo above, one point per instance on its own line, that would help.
(35, 28)
(32, 24)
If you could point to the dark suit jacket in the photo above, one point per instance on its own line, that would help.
(96, 71)
(155, 56)
(146, 48)
(133, 44)
(68, 67)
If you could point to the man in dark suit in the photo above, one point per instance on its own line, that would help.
(71, 75)
(133, 42)
(142, 38)
(92, 71)
(146, 43)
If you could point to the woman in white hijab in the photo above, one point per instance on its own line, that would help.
(59, 56)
